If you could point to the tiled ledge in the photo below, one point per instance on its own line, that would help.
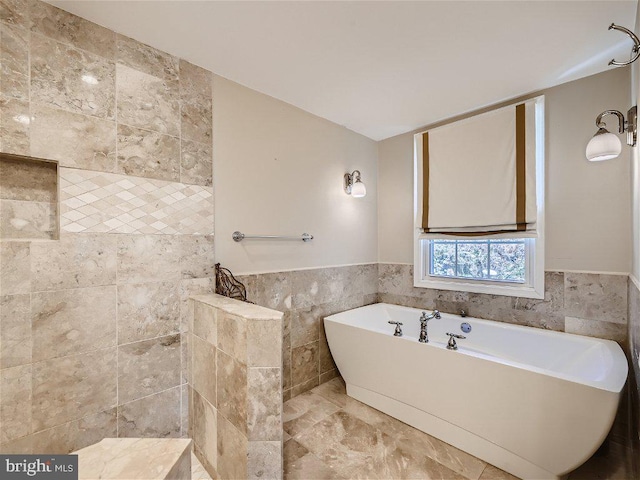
(236, 307)
(140, 458)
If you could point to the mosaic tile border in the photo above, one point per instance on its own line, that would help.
(99, 202)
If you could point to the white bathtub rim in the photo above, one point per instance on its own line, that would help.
(613, 383)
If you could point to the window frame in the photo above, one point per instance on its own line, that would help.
(534, 246)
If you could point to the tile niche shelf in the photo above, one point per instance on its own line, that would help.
(28, 198)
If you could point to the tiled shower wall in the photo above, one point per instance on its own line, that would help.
(91, 325)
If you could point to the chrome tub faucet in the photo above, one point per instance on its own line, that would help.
(424, 319)
(398, 332)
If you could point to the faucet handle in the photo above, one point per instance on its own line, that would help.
(455, 335)
(452, 345)
(398, 332)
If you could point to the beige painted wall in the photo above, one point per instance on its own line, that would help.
(279, 170)
(587, 204)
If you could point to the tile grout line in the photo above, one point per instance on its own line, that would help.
(151, 395)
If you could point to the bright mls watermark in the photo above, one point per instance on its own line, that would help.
(49, 467)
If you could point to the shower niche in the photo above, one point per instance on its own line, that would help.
(28, 198)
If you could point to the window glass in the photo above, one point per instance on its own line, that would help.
(501, 260)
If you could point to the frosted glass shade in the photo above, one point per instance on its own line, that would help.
(603, 146)
(358, 190)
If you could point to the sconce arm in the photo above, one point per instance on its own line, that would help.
(635, 50)
(621, 121)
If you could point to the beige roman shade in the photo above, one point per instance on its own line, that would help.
(479, 174)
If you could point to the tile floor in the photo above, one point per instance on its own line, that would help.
(329, 435)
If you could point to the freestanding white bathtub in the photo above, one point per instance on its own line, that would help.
(535, 403)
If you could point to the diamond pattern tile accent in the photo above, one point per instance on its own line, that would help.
(108, 202)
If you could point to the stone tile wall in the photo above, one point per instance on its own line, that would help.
(306, 297)
(235, 389)
(93, 326)
(582, 303)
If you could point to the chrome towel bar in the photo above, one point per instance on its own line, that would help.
(239, 236)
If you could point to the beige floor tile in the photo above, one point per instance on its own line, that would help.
(336, 436)
(334, 390)
(494, 473)
(409, 438)
(304, 411)
(309, 467)
(357, 450)
(292, 451)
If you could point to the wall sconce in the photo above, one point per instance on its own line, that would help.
(353, 184)
(605, 145)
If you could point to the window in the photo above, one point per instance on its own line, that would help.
(509, 263)
(497, 266)
(499, 260)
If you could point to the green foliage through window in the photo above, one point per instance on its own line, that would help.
(498, 260)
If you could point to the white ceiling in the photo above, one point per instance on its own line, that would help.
(380, 68)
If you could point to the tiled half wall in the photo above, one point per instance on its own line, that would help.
(93, 324)
(235, 388)
(306, 297)
(581, 303)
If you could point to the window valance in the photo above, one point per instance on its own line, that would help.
(478, 175)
